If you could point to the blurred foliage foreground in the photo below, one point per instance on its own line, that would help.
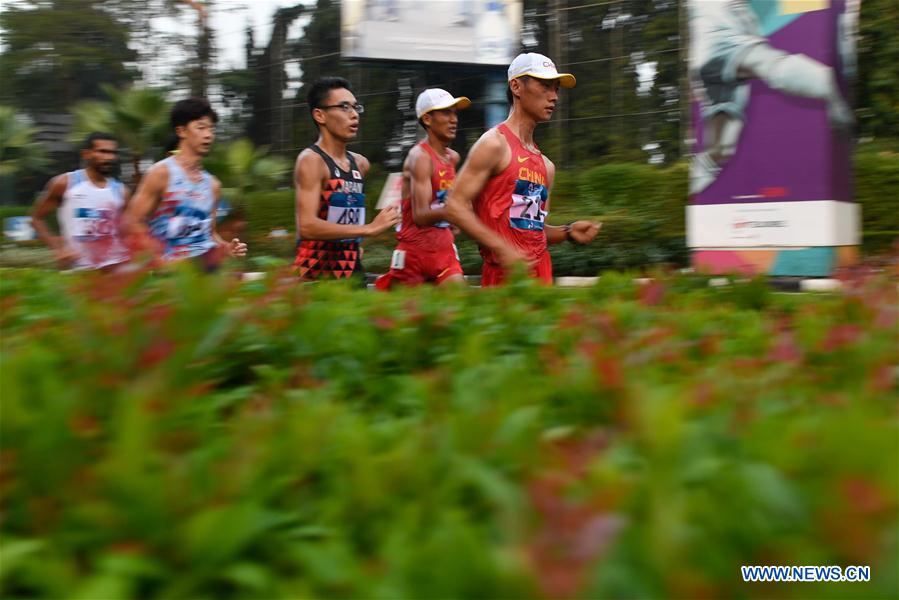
(178, 436)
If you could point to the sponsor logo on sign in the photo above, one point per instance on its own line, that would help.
(756, 224)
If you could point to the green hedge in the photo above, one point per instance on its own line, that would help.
(641, 206)
(14, 211)
(877, 189)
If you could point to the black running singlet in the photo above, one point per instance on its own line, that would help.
(342, 201)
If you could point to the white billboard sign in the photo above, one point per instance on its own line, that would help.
(486, 32)
(773, 224)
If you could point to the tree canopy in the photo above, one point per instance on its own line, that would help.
(58, 52)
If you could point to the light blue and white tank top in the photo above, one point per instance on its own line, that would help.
(89, 218)
(183, 219)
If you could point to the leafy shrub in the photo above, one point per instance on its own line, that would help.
(177, 436)
(876, 185)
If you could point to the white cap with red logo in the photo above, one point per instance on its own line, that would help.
(437, 99)
(539, 66)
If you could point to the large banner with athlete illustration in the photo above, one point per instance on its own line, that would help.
(772, 121)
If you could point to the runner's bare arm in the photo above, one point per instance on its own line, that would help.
(135, 231)
(49, 200)
(235, 247)
(420, 170)
(488, 157)
(309, 173)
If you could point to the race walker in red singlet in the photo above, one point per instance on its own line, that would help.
(501, 197)
(513, 204)
(426, 252)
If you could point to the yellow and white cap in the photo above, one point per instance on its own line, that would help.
(437, 99)
(539, 66)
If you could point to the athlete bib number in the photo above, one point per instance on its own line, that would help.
(183, 228)
(398, 261)
(346, 215)
(93, 223)
(527, 212)
(440, 224)
(440, 202)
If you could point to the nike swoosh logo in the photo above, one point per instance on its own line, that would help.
(521, 159)
(442, 173)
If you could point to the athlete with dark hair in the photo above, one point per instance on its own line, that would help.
(426, 252)
(330, 194)
(88, 204)
(501, 196)
(174, 209)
